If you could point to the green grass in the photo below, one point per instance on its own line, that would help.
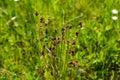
(59, 40)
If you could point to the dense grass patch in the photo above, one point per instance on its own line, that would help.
(59, 40)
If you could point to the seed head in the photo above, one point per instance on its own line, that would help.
(80, 24)
(55, 31)
(77, 33)
(42, 19)
(63, 29)
(52, 47)
(72, 52)
(67, 42)
(40, 71)
(36, 13)
(75, 63)
(73, 42)
(68, 26)
(42, 52)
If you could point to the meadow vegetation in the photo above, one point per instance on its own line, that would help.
(59, 40)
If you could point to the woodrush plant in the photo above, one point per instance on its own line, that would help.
(53, 40)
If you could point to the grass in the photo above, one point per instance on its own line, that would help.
(59, 40)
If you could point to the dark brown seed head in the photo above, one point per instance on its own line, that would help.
(52, 47)
(42, 19)
(57, 40)
(40, 71)
(75, 63)
(72, 52)
(36, 13)
(63, 36)
(46, 23)
(63, 29)
(41, 31)
(55, 31)
(36, 40)
(80, 24)
(67, 42)
(69, 26)
(54, 55)
(63, 33)
(50, 38)
(43, 46)
(73, 42)
(42, 52)
(77, 33)
(23, 53)
(52, 73)
(49, 20)
(54, 38)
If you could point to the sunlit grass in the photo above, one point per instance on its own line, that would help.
(59, 40)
